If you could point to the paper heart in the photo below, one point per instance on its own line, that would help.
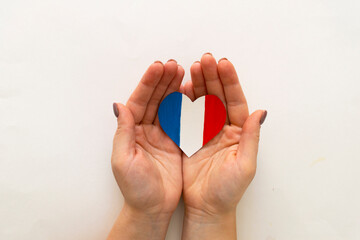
(191, 124)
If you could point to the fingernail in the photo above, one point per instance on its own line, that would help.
(208, 53)
(263, 117)
(222, 59)
(116, 110)
(172, 60)
(157, 61)
(197, 62)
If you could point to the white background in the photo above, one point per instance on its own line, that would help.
(63, 63)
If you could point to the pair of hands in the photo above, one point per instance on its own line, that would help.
(152, 172)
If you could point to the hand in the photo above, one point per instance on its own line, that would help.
(216, 177)
(145, 161)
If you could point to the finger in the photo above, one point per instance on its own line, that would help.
(235, 99)
(170, 70)
(189, 90)
(249, 141)
(173, 87)
(211, 75)
(124, 139)
(182, 89)
(139, 99)
(175, 82)
(197, 79)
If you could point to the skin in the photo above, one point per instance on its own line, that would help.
(216, 177)
(145, 161)
(152, 172)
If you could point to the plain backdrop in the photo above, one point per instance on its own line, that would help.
(63, 64)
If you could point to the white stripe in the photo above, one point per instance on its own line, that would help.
(192, 125)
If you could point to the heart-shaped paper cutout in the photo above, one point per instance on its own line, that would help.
(191, 124)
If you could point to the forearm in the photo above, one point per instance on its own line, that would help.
(135, 225)
(198, 225)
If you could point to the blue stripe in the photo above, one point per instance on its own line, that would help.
(170, 114)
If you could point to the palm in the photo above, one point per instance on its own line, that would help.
(211, 177)
(147, 160)
(157, 165)
(216, 176)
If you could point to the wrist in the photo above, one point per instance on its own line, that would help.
(143, 216)
(205, 216)
(136, 224)
(199, 224)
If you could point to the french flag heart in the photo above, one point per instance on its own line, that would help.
(191, 124)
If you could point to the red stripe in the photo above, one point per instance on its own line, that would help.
(215, 116)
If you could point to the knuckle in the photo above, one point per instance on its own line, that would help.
(116, 165)
(249, 171)
(253, 135)
(257, 136)
(121, 129)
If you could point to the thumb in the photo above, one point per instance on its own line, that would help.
(124, 139)
(250, 136)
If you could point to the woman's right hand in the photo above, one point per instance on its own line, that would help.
(145, 161)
